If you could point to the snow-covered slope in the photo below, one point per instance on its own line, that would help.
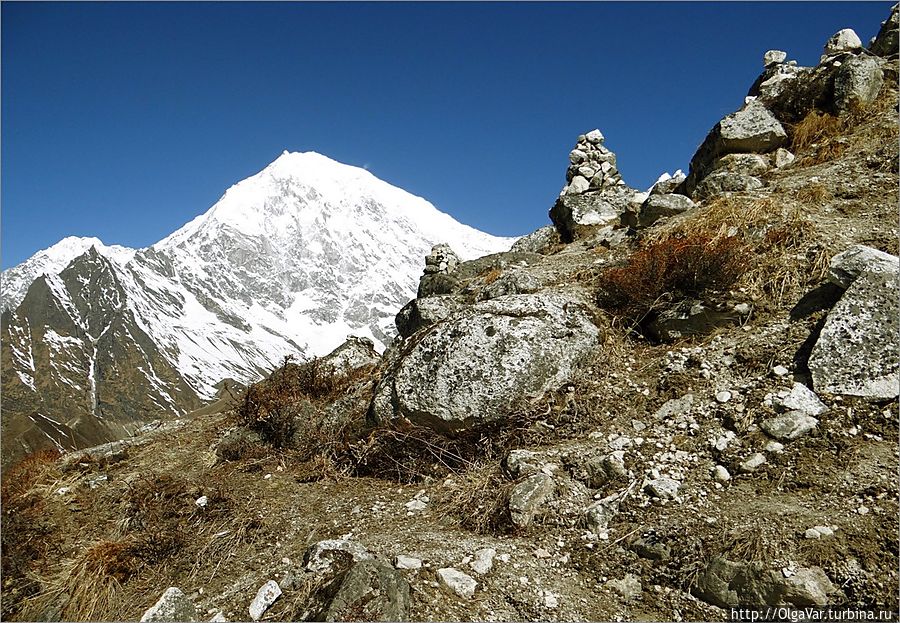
(52, 260)
(289, 261)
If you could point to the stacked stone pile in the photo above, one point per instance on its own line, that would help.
(592, 166)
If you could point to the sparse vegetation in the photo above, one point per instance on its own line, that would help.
(669, 270)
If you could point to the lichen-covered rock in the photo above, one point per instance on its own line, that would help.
(857, 81)
(845, 40)
(661, 206)
(728, 584)
(424, 312)
(323, 555)
(477, 366)
(846, 266)
(722, 182)
(527, 498)
(886, 41)
(570, 212)
(752, 129)
(370, 591)
(856, 353)
(436, 284)
(354, 353)
(750, 164)
(538, 241)
(442, 259)
(511, 282)
(789, 426)
(173, 605)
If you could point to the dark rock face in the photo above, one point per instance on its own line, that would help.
(886, 41)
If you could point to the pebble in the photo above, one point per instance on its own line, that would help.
(756, 460)
(407, 562)
(780, 371)
(721, 474)
(541, 553)
(460, 583)
(723, 396)
(202, 501)
(862, 510)
(483, 561)
(265, 597)
(774, 446)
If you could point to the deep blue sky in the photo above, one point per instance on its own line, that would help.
(125, 120)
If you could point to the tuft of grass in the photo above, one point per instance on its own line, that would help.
(816, 127)
(492, 275)
(667, 271)
(479, 500)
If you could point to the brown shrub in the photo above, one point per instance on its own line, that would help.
(669, 270)
(492, 275)
(816, 127)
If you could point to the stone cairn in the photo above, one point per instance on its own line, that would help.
(442, 259)
(592, 166)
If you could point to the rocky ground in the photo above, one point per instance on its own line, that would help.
(531, 447)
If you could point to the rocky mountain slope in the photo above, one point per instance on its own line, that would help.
(659, 408)
(99, 340)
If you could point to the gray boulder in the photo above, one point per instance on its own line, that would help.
(751, 164)
(752, 129)
(773, 57)
(845, 40)
(886, 41)
(421, 313)
(727, 584)
(477, 366)
(661, 206)
(857, 81)
(570, 212)
(370, 591)
(354, 353)
(856, 352)
(722, 182)
(667, 184)
(511, 282)
(538, 241)
(173, 605)
(783, 158)
(436, 284)
(846, 266)
(341, 553)
(789, 426)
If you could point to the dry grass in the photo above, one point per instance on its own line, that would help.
(814, 194)
(491, 276)
(479, 500)
(669, 270)
(782, 241)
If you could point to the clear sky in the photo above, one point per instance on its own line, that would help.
(125, 120)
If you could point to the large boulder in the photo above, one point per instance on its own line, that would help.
(354, 353)
(857, 81)
(728, 584)
(856, 352)
(479, 365)
(572, 212)
(421, 313)
(370, 591)
(752, 129)
(846, 266)
(722, 182)
(845, 40)
(886, 41)
(661, 206)
(538, 241)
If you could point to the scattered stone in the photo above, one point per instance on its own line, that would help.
(541, 553)
(773, 57)
(522, 462)
(551, 601)
(457, 582)
(202, 501)
(847, 266)
(790, 425)
(721, 474)
(663, 488)
(751, 464)
(727, 584)
(780, 371)
(600, 513)
(845, 40)
(723, 396)
(652, 549)
(863, 510)
(802, 399)
(818, 532)
(628, 587)
(407, 562)
(218, 617)
(173, 605)
(483, 561)
(370, 591)
(774, 446)
(267, 594)
(783, 158)
(527, 498)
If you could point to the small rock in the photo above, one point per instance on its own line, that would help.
(267, 594)
(753, 463)
(845, 40)
(202, 501)
(551, 601)
(416, 505)
(483, 561)
(458, 582)
(541, 553)
(663, 488)
(407, 562)
(824, 530)
(675, 407)
(790, 425)
(803, 399)
(780, 371)
(174, 605)
(721, 474)
(863, 510)
(218, 617)
(723, 396)
(774, 446)
(628, 587)
(773, 57)
(594, 137)
(812, 533)
(783, 158)
(527, 498)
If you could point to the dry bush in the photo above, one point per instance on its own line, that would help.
(669, 270)
(28, 533)
(814, 194)
(816, 127)
(479, 500)
(276, 406)
(492, 275)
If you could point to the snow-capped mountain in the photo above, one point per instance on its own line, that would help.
(289, 261)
